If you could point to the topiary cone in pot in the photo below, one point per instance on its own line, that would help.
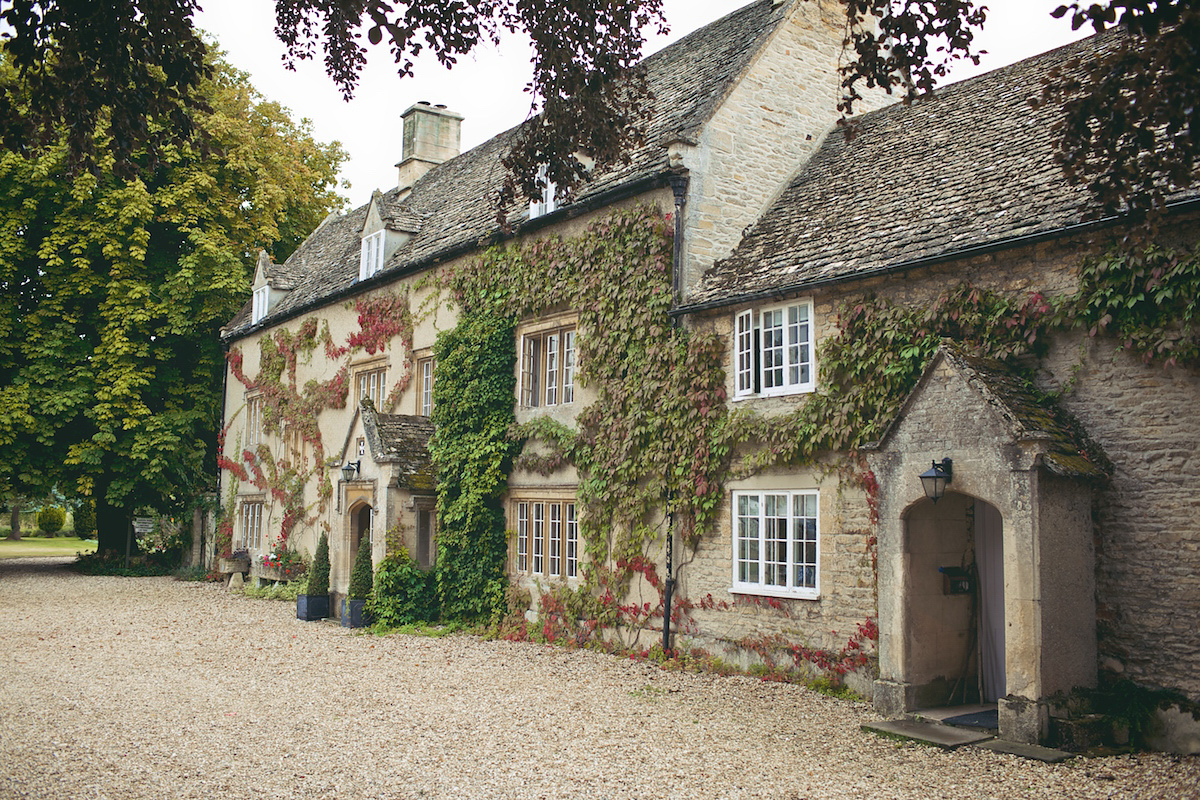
(361, 578)
(313, 603)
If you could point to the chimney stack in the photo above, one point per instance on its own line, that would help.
(432, 134)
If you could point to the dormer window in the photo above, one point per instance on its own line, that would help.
(372, 255)
(259, 304)
(547, 203)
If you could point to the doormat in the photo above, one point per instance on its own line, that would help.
(980, 719)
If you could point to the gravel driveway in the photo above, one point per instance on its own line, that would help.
(151, 688)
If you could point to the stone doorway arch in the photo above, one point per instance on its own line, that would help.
(1033, 468)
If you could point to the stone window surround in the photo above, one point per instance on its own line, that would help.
(254, 421)
(760, 587)
(425, 379)
(547, 543)
(372, 377)
(250, 521)
(536, 367)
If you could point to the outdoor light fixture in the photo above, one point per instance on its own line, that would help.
(935, 479)
(349, 470)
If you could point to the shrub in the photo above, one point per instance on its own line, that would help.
(404, 594)
(51, 519)
(361, 576)
(318, 573)
(85, 519)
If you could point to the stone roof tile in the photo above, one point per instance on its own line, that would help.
(968, 166)
(453, 205)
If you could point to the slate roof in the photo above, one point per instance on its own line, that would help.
(452, 207)
(401, 439)
(967, 167)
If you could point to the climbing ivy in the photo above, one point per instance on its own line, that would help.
(473, 410)
(295, 409)
(649, 439)
(1150, 303)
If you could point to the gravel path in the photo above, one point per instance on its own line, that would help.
(151, 688)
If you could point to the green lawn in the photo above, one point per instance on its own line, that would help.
(30, 546)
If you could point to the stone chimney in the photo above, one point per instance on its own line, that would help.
(432, 134)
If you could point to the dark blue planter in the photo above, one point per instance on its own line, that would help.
(354, 613)
(312, 606)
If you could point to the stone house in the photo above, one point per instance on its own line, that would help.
(353, 314)
(1073, 465)
(1062, 550)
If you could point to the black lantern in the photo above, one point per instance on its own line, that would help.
(935, 479)
(349, 470)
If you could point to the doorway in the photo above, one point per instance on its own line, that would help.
(954, 612)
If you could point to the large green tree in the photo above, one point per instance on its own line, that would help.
(113, 291)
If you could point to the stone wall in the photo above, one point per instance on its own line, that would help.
(1145, 417)
(773, 120)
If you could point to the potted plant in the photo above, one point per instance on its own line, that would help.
(237, 561)
(314, 602)
(361, 579)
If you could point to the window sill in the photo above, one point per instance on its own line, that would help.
(769, 591)
(781, 393)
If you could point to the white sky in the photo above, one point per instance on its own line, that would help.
(486, 87)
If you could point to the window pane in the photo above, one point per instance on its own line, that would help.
(555, 539)
(804, 544)
(426, 387)
(539, 537)
(772, 349)
(530, 358)
(551, 343)
(744, 344)
(568, 393)
(522, 536)
(572, 542)
(775, 540)
(747, 539)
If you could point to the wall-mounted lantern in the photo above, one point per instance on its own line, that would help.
(350, 469)
(936, 479)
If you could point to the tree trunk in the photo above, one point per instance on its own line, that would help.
(112, 526)
(15, 533)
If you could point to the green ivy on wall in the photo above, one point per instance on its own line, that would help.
(472, 412)
(650, 438)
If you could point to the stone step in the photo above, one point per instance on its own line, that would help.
(943, 736)
(1034, 751)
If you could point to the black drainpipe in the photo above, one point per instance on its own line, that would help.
(679, 187)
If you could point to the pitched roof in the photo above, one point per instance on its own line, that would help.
(970, 166)
(401, 439)
(1063, 444)
(452, 207)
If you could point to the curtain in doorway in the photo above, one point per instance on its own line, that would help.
(989, 560)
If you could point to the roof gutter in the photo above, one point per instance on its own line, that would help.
(585, 205)
(951, 255)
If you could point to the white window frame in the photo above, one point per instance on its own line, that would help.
(547, 537)
(548, 367)
(371, 258)
(548, 202)
(254, 422)
(252, 519)
(763, 368)
(260, 304)
(425, 387)
(759, 567)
